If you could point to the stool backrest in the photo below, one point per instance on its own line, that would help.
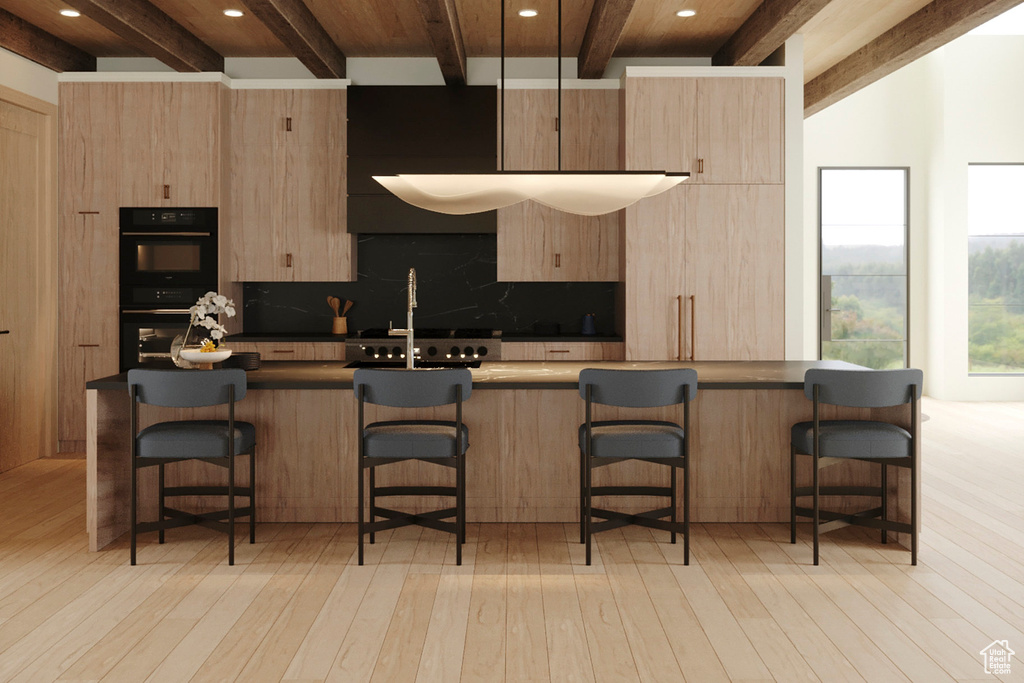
(864, 388)
(638, 388)
(412, 388)
(187, 388)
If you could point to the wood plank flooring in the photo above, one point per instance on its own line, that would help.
(523, 607)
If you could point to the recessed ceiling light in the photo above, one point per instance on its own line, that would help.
(527, 12)
(233, 12)
(70, 13)
(686, 13)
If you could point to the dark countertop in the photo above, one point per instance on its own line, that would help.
(531, 337)
(286, 337)
(532, 374)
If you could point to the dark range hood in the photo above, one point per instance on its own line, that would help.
(417, 129)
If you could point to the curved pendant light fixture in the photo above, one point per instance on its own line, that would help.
(586, 193)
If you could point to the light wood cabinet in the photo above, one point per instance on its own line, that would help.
(170, 143)
(287, 204)
(536, 243)
(554, 351)
(704, 262)
(90, 173)
(721, 130)
(317, 351)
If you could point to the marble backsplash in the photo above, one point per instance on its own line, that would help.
(458, 287)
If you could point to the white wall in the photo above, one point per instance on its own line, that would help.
(26, 76)
(957, 105)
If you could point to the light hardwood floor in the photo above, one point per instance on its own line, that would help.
(524, 607)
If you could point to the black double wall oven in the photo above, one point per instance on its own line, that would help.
(168, 259)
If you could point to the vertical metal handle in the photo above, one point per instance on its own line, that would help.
(679, 307)
(288, 124)
(558, 260)
(167, 191)
(825, 299)
(287, 260)
(693, 327)
(556, 124)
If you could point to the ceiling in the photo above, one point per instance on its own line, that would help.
(397, 28)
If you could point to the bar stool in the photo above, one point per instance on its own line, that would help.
(606, 442)
(831, 442)
(205, 440)
(435, 441)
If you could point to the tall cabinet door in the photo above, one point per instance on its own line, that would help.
(736, 272)
(258, 125)
(190, 139)
(315, 203)
(740, 136)
(660, 124)
(142, 118)
(655, 272)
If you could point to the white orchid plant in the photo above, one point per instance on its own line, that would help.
(204, 313)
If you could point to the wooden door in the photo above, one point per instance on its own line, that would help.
(736, 272)
(142, 117)
(315, 186)
(660, 124)
(740, 130)
(257, 186)
(190, 142)
(28, 279)
(655, 277)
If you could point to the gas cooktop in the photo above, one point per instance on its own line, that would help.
(432, 345)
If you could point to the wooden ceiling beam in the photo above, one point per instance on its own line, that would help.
(32, 42)
(149, 30)
(301, 32)
(929, 28)
(607, 20)
(766, 30)
(446, 37)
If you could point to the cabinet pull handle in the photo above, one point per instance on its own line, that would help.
(88, 213)
(558, 350)
(693, 327)
(167, 191)
(700, 165)
(679, 310)
(287, 260)
(288, 124)
(283, 351)
(556, 124)
(88, 346)
(558, 260)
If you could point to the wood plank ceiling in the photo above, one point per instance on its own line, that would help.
(847, 43)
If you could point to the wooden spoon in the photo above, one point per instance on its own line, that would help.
(335, 303)
(348, 305)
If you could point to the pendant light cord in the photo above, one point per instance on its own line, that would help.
(559, 57)
(503, 84)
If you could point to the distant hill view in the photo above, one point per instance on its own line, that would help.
(867, 259)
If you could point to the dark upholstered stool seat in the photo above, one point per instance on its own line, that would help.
(193, 439)
(642, 439)
(853, 439)
(405, 439)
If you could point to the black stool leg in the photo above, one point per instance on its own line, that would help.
(460, 513)
(134, 504)
(161, 487)
(686, 513)
(913, 514)
(359, 524)
(252, 495)
(792, 494)
(586, 511)
(672, 473)
(231, 510)
(583, 495)
(815, 520)
(885, 501)
(373, 501)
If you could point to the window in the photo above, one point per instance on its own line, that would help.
(863, 265)
(995, 265)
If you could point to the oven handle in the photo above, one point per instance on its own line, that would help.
(157, 311)
(165, 234)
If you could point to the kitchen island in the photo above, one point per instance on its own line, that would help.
(523, 460)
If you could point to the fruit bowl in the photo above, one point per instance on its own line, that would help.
(197, 356)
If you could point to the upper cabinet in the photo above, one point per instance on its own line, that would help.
(170, 143)
(536, 243)
(287, 196)
(724, 130)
